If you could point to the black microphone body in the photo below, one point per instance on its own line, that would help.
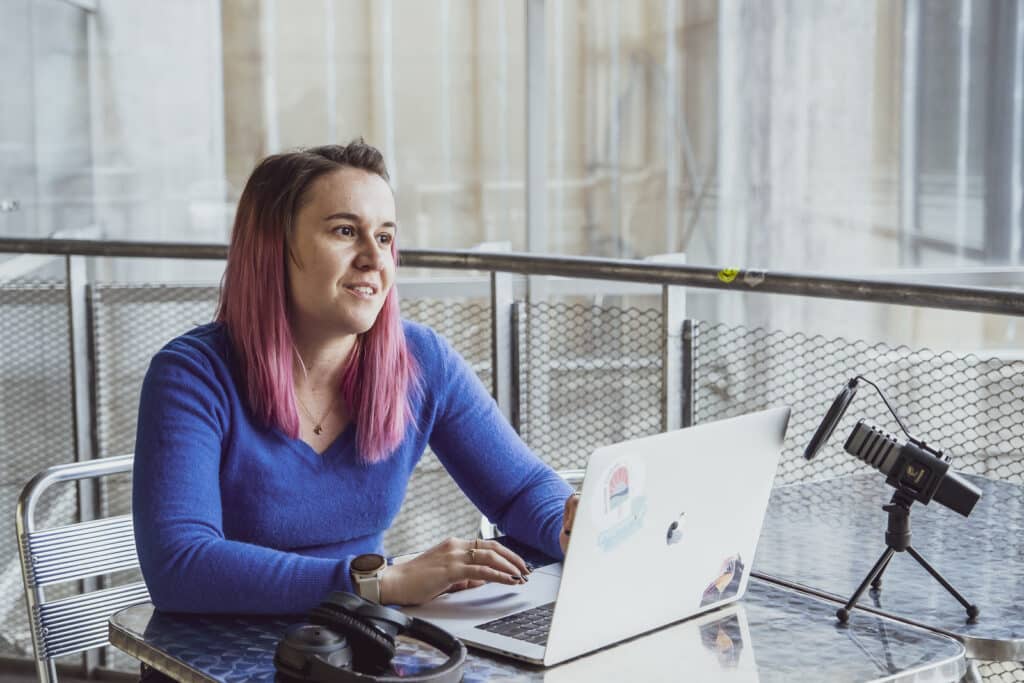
(912, 467)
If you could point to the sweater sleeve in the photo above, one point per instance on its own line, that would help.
(491, 464)
(187, 563)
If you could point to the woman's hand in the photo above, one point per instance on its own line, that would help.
(452, 565)
(568, 517)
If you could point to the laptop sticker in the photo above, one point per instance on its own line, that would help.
(623, 507)
(727, 583)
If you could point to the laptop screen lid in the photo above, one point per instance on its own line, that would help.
(667, 528)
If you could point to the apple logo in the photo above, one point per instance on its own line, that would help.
(675, 530)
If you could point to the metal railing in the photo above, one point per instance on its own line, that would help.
(976, 299)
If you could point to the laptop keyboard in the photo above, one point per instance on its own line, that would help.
(531, 625)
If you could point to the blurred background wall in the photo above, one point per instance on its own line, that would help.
(877, 137)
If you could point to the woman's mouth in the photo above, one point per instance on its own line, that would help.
(362, 291)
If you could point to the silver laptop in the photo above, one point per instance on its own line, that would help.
(666, 528)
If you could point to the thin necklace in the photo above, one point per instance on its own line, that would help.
(318, 425)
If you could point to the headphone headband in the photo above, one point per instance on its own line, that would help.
(353, 603)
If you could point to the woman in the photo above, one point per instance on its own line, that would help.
(275, 445)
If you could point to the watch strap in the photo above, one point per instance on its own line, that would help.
(367, 583)
(368, 586)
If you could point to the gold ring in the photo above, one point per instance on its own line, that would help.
(472, 555)
(476, 544)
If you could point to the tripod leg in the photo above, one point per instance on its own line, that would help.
(972, 610)
(877, 583)
(843, 613)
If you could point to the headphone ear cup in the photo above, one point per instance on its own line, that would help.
(372, 650)
(296, 655)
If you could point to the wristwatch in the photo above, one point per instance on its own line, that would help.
(366, 573)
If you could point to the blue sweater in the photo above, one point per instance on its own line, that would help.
(231, 516)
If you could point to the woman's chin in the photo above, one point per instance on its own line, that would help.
(358, 325)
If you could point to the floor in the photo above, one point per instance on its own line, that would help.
(23, 672)
(22, 677)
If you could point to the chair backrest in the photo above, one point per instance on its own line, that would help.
(73, 552)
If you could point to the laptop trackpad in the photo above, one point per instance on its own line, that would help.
(489, 601)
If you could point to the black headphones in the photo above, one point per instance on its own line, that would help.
(352, 639)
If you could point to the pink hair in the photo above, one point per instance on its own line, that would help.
(380, 373)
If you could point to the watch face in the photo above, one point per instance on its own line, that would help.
(368, 563)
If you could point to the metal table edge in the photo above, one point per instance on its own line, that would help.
(123, 641)
(926, 672)
(976, 648)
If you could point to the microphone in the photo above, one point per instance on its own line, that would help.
(912, 467)
(917, 472)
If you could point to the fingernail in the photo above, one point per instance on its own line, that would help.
(523, 578)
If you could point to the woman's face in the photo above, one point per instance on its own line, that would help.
(342, 267)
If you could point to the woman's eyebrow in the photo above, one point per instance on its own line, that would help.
(345, 215)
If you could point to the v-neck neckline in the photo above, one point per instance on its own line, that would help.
(346, 434)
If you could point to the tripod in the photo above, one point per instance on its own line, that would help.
(897, 539)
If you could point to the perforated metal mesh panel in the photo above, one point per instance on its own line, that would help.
(1001, 672)
(588, 376)
(130, 324)
(434, 506)
(36, 428)
(967, 406)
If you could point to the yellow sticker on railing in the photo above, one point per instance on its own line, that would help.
(727, 275)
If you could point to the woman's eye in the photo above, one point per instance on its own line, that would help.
(385, 238)
(346, 230)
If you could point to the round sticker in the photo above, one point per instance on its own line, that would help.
(727, 275)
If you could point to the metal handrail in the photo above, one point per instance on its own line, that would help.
(976, 299)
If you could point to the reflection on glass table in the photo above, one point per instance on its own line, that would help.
(773, 634)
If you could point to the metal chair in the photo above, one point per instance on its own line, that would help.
(73, 552)
(490, 530)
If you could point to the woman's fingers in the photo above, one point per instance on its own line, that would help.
(492, 559)
(569, 516)
(452, 565)
(504, 552)
(456, 564)
(568, 519)
(481, 572)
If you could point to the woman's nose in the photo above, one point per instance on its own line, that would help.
(371, 255)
